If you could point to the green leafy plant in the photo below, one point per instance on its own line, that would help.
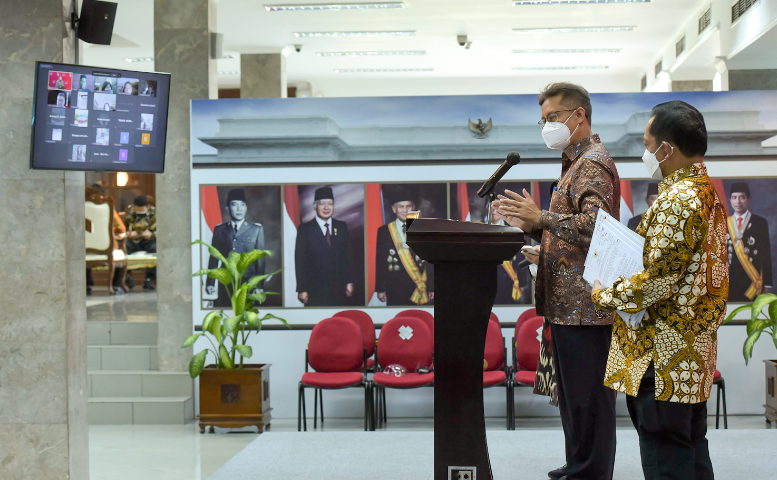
(760, 321)
(231, 332)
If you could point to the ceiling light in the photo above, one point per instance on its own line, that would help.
(571, 50)
(229, 72)
(335, 6)
(354, 34)
(582, 67)
(573, 29)
(122, 178)
(141, 59)
(568, 2)
(370, 54)
(383, 70)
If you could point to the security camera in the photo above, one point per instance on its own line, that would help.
(462, 39)
(298, 48)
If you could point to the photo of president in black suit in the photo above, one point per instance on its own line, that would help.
(749, 248)
(322, 256)
(238, 235)
(394, 284)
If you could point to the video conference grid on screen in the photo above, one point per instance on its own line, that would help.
(89, 118)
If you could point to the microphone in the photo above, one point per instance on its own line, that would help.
(511, 160)
(524, 264)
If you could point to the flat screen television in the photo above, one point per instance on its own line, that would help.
(103, 119)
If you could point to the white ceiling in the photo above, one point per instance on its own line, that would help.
(249, 28)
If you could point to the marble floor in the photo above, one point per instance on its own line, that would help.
(136, 306)
(173, 452)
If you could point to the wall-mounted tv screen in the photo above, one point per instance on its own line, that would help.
(92, 118)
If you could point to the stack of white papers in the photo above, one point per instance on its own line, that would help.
(615, 251)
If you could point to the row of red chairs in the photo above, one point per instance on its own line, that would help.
(341, 350)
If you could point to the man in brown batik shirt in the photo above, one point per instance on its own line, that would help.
(580, 335)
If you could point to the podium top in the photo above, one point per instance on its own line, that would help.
(440, 240)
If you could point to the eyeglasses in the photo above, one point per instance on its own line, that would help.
(553, 117)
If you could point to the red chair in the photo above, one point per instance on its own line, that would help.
(718, 380)
(495, 372)
(335, 352)
(427, 317)
(526, 353)
(494, 318)
(404, 341)
(527, 314)
(367, 327)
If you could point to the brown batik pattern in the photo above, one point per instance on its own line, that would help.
(684, 287)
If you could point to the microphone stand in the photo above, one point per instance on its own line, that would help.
(491, 198)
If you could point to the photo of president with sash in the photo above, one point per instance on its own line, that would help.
(401, 276)
(749, 248)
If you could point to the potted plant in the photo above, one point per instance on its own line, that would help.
(759, 323)
(233, 394)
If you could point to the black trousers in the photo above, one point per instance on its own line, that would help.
(672, 436)
(143, 246)
(587, 407)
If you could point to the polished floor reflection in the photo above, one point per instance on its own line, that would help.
(170, 452)
(140, 306)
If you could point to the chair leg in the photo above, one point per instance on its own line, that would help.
(717, 409)
(321, 402)
(111, 269)
(385, 412)
(722, 386)
(507, 404)
(366, 407)
(315, 408)
(299, 408)
(304, 412)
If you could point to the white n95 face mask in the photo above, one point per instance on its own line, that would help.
(557, 135)
(652, 163)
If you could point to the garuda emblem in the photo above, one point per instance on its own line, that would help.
(480, 129)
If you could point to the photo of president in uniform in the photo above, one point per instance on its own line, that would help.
(749, 249)
(238, 235)
(401, 276)
(322, 256)
(650, 198)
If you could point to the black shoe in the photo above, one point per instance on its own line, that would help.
(558, 473)
(129, 282)
(118, 290)
(149, 285)
(88, 291)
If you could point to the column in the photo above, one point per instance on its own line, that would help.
(43, 384)
(691, 85)
(762, 79)
(263, 75)
(182, 48)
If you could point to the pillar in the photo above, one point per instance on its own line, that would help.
(182, 48)
(263, 75)
(43, 383)
(691, 85)
(762, 79)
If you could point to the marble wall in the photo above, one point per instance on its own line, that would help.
(181, 48)
(43, 428)
(752, 79)
(263, 75)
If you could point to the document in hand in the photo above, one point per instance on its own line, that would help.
(615, 251)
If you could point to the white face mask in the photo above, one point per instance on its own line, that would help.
(652, 163)
(557, 135)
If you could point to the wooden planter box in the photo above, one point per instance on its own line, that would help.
(235, 398)
(771, 394)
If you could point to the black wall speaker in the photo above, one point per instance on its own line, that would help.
(96, 22)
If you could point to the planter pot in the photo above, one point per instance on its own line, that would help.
(235, 398)
(771, 394)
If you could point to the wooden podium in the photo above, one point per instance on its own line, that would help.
(465, 257)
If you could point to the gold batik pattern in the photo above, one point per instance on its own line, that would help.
(684, 287)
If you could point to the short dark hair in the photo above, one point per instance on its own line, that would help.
(141, 201)
(570, 93)
(98, 187)
(740, 187)
(681, 124)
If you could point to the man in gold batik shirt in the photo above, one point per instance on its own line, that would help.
(666, 365)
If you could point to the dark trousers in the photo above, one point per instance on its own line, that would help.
(143, 246)
(587, 407)
(672, 436)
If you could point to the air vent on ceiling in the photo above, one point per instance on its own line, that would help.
(659, 67)
(705, 20)
(643, 84)
(739, 8)
(679, 47)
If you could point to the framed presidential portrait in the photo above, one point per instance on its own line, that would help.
(396, 276)
(513, 282)
(326, 236)
(241, 218)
